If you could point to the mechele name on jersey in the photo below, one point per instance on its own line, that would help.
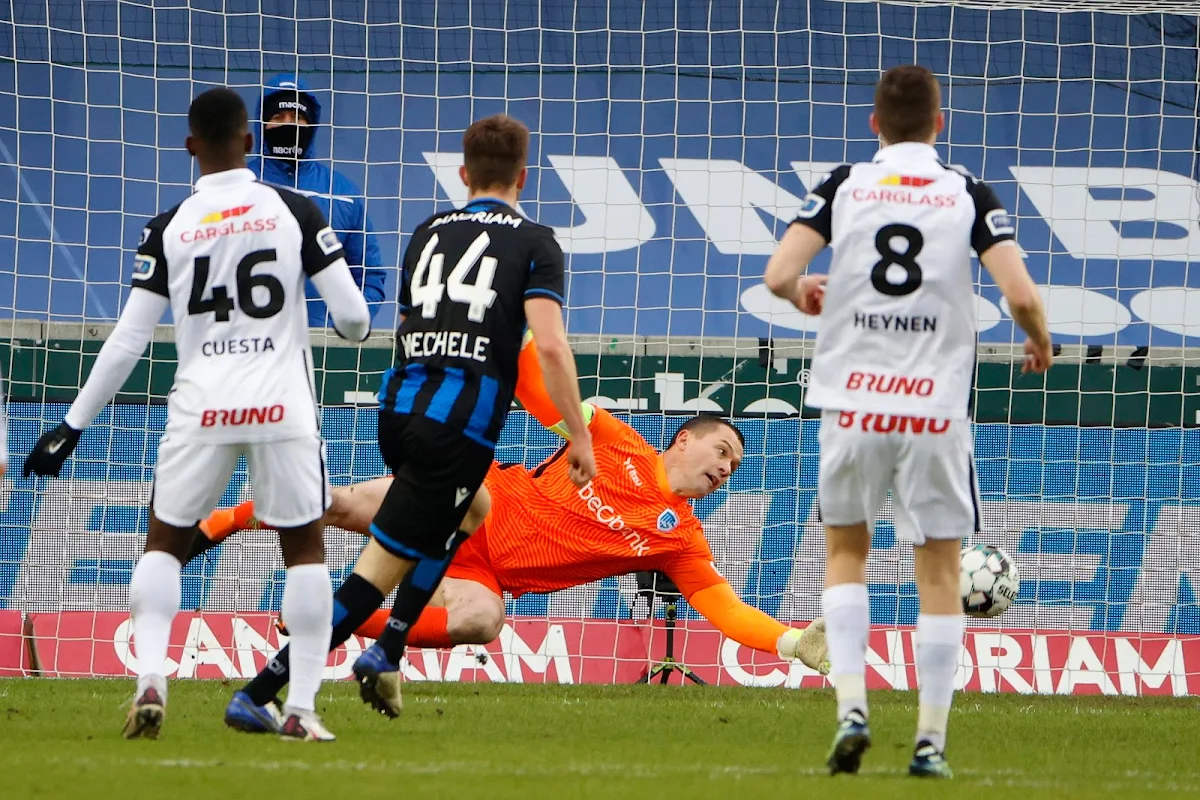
(451, 344)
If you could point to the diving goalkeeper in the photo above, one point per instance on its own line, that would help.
(544, 534)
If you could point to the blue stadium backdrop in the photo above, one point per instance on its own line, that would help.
(669, 138)
(672, 143)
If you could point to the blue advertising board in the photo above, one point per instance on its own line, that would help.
(1102, 523)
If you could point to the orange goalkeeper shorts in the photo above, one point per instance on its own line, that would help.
(471, 562)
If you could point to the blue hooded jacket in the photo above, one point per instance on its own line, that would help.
(337, 197)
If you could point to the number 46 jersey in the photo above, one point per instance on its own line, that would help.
(898, 326)
(232, 258)
(467, 273)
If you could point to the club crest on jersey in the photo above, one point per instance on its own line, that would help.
(217, 216)
(328, 241)
(999, 222)
(905, 180)
(143, 266)
(668, 520)
(145, 237)
(811, 206)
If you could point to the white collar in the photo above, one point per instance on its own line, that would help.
(228, 177)
(906, 150)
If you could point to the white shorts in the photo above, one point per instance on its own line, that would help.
(291, 486)
(928, 466)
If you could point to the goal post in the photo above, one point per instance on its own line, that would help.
(670, 150)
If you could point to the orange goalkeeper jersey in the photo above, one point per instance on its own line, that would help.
(545, 534)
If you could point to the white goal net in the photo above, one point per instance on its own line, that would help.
(672, 145)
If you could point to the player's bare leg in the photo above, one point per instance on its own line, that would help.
(354, 506)
(474, 613)
(938, 642)
(377, 669)
(154, 596)
(847, 626)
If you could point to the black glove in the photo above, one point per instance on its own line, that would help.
(51, 451)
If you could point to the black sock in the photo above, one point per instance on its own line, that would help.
(200, 544)
(414, 593)
(353, 604)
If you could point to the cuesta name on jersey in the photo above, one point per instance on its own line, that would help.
(234, 347)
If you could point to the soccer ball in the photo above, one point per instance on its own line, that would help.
(988, 579)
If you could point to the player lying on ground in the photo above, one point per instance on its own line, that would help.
(892, 373)
(543, 534)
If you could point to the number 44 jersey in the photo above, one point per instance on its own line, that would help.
(467, 274)
(898, 326)
(232, 258)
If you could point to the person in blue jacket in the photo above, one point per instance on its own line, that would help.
(290, 114)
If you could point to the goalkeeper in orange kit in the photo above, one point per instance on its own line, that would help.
(544, 534)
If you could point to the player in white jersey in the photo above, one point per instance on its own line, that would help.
(892, 374)
(230, 262)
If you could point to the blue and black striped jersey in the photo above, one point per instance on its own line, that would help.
(466, 275)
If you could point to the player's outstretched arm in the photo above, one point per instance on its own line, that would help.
(544, 316)
(713, 597)
(115, 362)
(531, 393)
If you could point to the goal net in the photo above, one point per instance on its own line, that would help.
(671, 147)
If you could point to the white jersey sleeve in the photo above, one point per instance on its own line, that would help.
(898, 326)
(118, 356)
(324, 262)
(134, 329)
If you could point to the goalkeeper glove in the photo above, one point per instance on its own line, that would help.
(808, 645)
(560, 427)
(52, 449)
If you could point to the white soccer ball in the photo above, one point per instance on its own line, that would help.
(988, 579)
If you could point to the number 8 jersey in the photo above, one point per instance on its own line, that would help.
(233, 258)
(898, 326)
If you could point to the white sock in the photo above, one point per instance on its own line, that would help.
(153, 603)
(939, 640)
(308, 608)
(847, 624)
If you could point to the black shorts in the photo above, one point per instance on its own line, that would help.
(437, 472)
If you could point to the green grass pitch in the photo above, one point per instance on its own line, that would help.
(60, 738)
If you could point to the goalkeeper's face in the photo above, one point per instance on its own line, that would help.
(709, 457)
